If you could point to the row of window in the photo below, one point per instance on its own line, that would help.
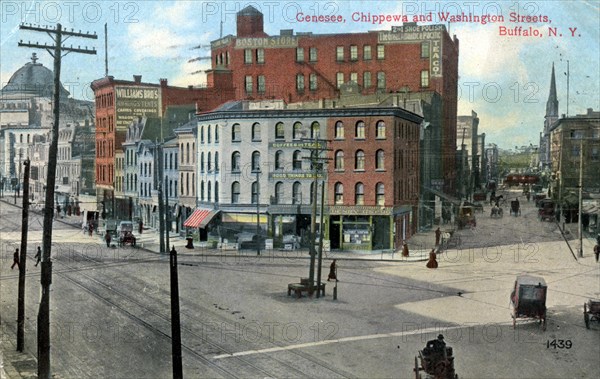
(209, 134)
(359, 160)
(359, 194)
(209, 165)
(209, 191)
(105, 100)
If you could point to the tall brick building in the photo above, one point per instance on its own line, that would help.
(118, 103)
(307, 66)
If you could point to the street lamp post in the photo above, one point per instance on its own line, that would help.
(579, 225)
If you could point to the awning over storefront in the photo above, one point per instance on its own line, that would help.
(200, 218)
(590, 207)
(450, 198)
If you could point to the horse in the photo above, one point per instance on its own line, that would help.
(496, 200)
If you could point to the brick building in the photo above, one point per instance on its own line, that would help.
(307, 66)
(253, 159)
(118, 103)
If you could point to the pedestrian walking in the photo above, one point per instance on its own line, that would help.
(91, 229)
(332, 272)
(597, 251)
(141, 227)
(432, 262)
(38, 256)
(438, 234)
(404, 249)
(108, 238)
(15, 260)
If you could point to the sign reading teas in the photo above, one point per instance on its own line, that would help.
(431, 34)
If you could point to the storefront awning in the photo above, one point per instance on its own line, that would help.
(200, 218)
(450, 198)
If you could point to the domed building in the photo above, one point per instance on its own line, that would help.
(31, 80)
(26, 119)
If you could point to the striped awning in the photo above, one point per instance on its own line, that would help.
(200, 218)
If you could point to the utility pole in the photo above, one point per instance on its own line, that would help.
(320, 257)
(161, 208)
(317, 163)
(579, 226)
(175, 320)
(257, 211)
(46, 277)
(23, 260)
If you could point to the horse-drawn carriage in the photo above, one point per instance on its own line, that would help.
(515, 208)
(529, 299)
(591, 312)
(127, 238)
(546, 210)
(466, 217)
(436, 360)
(496, 212)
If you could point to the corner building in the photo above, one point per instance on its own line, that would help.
(305, 66)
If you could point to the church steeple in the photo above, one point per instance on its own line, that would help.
(552, 103)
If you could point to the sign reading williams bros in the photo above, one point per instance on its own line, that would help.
(136, 101)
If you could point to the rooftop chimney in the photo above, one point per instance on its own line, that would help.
(137, 78)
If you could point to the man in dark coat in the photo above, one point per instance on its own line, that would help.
(438, 234)
(332, 272)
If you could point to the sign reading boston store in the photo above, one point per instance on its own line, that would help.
(266, 42)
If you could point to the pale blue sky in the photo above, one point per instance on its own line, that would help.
(156, 39)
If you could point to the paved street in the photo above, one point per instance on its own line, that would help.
(110, 308)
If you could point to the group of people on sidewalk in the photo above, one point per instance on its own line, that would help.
(16, 261)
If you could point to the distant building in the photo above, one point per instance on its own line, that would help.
(469, 168)
(549, 120)
(569, 135)
(26, 118)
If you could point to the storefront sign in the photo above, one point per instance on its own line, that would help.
(296, 145)
(295, 175)
(359, 210)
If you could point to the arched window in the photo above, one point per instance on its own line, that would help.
(217, 133)
(187, 184)
(256, 161)
(339, 130)
(254, 192)
(202, 161)
(208, 191)
(297, 193)
(181, 182)
(202, 134)
(208, 136)
(380, 160)
(315, 130)
(187, 153)
(380, 194)
(380, 129)
(359, 160)
(359, 194)
(235, 161)
(235, 192)
(236, 133)
(339, 160)
(278, 192)
(209, 162)
(280, 130)
(216, 192)
(202, 190)
(256, 132)
(297, 160)
(216, 161)
(360, 131)
(339, 193)
(279, 160)
(297, 131)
